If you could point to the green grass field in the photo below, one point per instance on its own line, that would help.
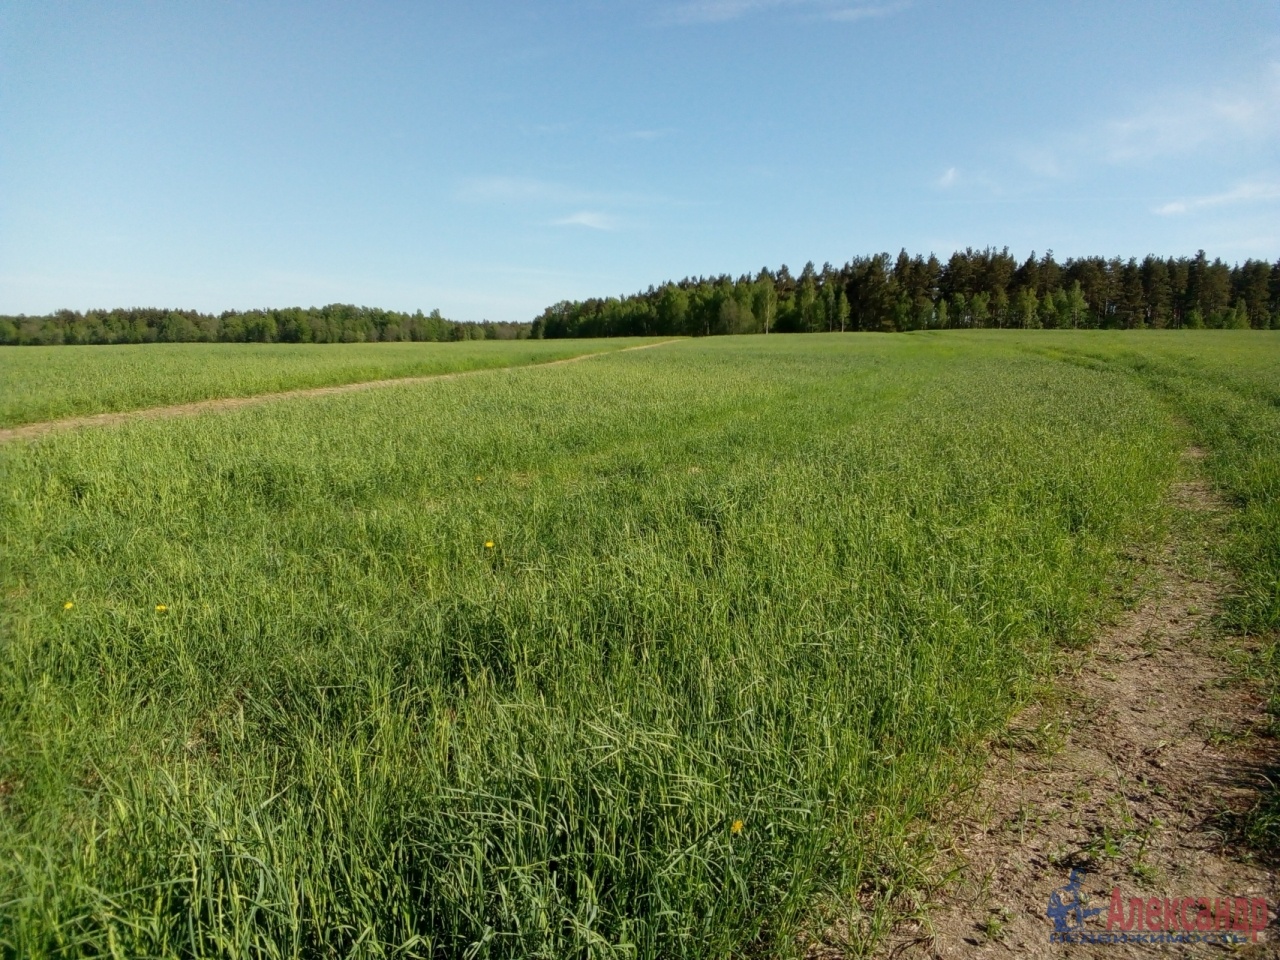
(45, 383)
(664, 654)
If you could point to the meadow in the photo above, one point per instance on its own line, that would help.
(663, 654)
(46, 383)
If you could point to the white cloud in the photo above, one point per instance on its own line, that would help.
(531, 190)
(594, 209)
(720, 11)
(948, 179)
(647, 134)
(1195, 122)
(1248, 192)
(588, 218)
(715, 11)
(545, 129)
(850, 14)
(1174, 123)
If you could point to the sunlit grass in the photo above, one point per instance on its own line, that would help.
(44, 383)
(644, 656)
(1226, 388)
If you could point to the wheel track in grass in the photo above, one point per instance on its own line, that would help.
(1132, 770)
(29, 431)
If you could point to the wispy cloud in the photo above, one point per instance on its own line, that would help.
(593, 209)
(531, 190)
(1193, 122)
(647, 134)
(1248, 192)
(545, 129)
(720, 11)
(965, 186)
(949, 178)
(1175, 123)
(593, 219)
(849, 14)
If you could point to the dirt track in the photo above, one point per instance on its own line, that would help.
(1129, 775)
(29, 431)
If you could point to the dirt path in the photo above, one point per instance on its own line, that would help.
(1126, 779)
(29, 431)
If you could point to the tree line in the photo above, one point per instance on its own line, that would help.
(335, 323)
(973, 289)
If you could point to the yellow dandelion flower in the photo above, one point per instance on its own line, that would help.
(488, 544)
(736, 828)
(161, 608)
(68, 605)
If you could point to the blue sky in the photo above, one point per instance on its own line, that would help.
(491, 158)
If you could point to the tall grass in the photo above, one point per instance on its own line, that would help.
(1226, 387)
(44, 383)
(748, 608)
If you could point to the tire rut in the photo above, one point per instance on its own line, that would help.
(28, 431)
(1127, 775)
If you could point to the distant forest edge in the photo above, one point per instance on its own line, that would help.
(336, 323)
(973, 289)
(986, 288)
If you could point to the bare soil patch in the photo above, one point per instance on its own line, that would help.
(29, 431)
(1125, 773)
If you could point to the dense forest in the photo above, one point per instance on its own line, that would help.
(976, 288)
(336, 323)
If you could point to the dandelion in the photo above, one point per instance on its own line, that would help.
(161, 608)
(68, 605)
(488, 544)
(736, 828)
